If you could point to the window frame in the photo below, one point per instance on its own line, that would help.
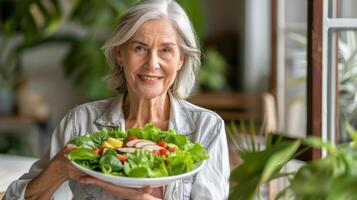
(330, 106)
(322, 96)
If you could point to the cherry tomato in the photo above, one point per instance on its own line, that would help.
(96, 150)
(101, 149)
(163, 151)
(172, 149)
(130, 138)
(156, 152)
(163, 144)
(122, 158)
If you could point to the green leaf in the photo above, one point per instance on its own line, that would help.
(99, 137)
(314, 179)
(106, 169)
(319, 143)
(150, 131)
(118, 134)
(159, 171)
(278, 160)
(244, 191)
(259, 167)
(112, 161)
(198, 153)
(83, 154)
(88, 76)
(343, 187)
(195, 12)
(134, 132)
(140, 171)
(109, 151)
(84, 141)
(144, 164)
(213, 71)
(180, 140)
(179, 162)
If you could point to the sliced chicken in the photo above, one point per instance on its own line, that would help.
(133, 142)
(141, 144)
(152, 147)
(126, 150)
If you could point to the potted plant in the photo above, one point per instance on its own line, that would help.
(332, 177)
(36, 23)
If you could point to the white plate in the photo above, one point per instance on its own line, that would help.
(138, 182)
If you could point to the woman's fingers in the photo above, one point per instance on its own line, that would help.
(74, 173)
(103, 184)
(147, 189)
(120, 191)
(69, 147)
(63, 164)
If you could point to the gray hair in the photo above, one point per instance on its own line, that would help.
(130, 22)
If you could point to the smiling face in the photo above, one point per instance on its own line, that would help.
(151, 59)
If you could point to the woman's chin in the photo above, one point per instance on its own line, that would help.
(150, 94)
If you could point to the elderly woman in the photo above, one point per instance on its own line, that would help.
(154, 57)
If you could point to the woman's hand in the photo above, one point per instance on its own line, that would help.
(119, 191)
(63, 166)
(59, 170)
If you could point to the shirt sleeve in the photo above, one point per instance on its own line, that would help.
(212, 182)
(60, 137)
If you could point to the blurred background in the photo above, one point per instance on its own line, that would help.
(51, 59)
(254, 65)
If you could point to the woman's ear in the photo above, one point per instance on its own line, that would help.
(181, 62)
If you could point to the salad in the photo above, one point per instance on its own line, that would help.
(149, 152)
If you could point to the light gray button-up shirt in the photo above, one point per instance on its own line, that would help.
(197, 123)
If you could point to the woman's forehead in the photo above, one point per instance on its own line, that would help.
(161, 29)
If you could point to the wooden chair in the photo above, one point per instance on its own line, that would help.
(257, 107)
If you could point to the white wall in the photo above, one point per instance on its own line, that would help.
(42, 68)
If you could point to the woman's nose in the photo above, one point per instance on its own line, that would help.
(153, 61)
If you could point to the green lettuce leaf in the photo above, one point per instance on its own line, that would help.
(117, 134)
(112, 162)
(134, 132)
(141, 163)
(198, 153)
(84, 141)
(144, 164)
(179, 162)
(150, 132)
(99, 137)
(83, 154)
(109, 161)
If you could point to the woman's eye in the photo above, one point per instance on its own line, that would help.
(139, 49)
(167, 50)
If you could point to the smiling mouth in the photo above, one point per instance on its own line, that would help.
(150, 78)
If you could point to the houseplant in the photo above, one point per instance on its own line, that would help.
(347, 77)
(42, 22)
(332, 177)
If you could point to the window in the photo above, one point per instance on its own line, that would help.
(339, 62)
(317, 45)
(292, 66)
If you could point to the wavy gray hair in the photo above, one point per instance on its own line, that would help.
(130, 22)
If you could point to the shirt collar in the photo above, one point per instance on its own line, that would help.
(112, 115)
(180, 119)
